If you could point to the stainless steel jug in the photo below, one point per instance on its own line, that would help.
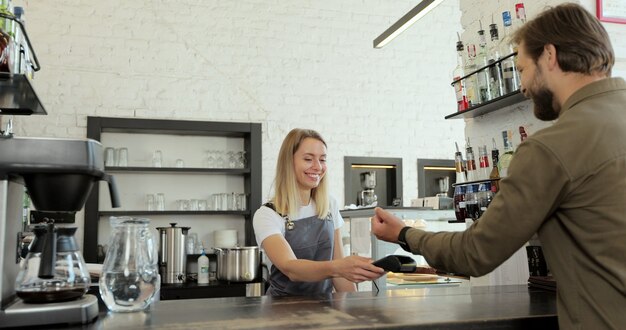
(172, 253)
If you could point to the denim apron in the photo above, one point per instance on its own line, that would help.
(311, 239)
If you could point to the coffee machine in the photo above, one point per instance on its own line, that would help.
(58, 175)
(367, 196)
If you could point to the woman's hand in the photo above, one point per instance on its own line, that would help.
(386, 226)
(357, 269)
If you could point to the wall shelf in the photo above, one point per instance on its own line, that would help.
(489, 106)
(171, 212)
(177, 170)
(249, 132)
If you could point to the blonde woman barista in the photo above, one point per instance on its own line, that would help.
(299, 227)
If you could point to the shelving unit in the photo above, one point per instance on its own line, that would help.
(491, 105)
(249, 132)
(17, 95)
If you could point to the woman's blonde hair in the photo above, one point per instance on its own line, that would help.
(287, 198)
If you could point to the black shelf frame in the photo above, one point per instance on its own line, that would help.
(489, 106)
(172, 212)
(174, 170)
(493, 104)
(250, 132)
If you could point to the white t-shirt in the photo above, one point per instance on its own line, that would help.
(267, 222)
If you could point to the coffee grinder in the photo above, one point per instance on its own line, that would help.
(367, 196)
(58, 175)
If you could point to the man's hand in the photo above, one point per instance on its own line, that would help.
(386, 226)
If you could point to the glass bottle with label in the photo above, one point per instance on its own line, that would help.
(495, 173)
(458, 164)
(497, 85)
(483, 161)
(505, 159)
(459, 72)
(509, 72)
(471, 82)
(483, 77)
(471, 162)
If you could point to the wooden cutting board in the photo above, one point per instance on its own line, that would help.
(413, 277)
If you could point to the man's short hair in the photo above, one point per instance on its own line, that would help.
(581, 41)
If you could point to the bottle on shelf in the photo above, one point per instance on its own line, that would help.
(482, 60)
(495, 173)
(505, 159)
(459, 86)
(497, 85)
(483, 160)
(203, 268)
(471, 82)
(7, 42)
(458, 164)
(520, 14)
(471, 162)
(522, 134)
(509, 72)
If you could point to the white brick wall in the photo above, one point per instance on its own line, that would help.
(482, 129)
(284, 64)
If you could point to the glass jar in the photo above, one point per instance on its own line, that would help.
(130, 277)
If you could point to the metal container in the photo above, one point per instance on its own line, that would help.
(172, 253)
(238, 264)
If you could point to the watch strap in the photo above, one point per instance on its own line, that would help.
(402, 239)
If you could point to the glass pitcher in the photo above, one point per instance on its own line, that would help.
(54, 269)
(130, 277)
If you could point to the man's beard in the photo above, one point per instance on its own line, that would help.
(545, 108)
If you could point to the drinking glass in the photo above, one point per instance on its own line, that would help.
(241, 159)
(202, 205)
(150, 202)
(122, 157)
(180, 163)
(109, 156)
(232, 159)
(160, 202)
(193, 205)
(192, 239)
(157, 159)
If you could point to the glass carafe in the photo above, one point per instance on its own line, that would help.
(130, 277)
(54, 269)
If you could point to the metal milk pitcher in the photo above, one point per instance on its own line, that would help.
(130, 277)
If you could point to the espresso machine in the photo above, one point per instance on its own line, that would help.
(367, 196)
(58, 175)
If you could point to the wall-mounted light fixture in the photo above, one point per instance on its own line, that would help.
(407, 20)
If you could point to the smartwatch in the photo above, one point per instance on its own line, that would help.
(402, 239)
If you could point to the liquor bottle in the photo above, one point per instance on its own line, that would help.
(520, 14)
(497, 86)
(509, 72)
(495, 174)
(522, 134)
(483, 160)
(459, 86)
(505, 159)
(482, 60)
(471, 162)
(471, 82)
(458, 164)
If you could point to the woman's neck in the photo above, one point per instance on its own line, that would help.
(305, 197)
